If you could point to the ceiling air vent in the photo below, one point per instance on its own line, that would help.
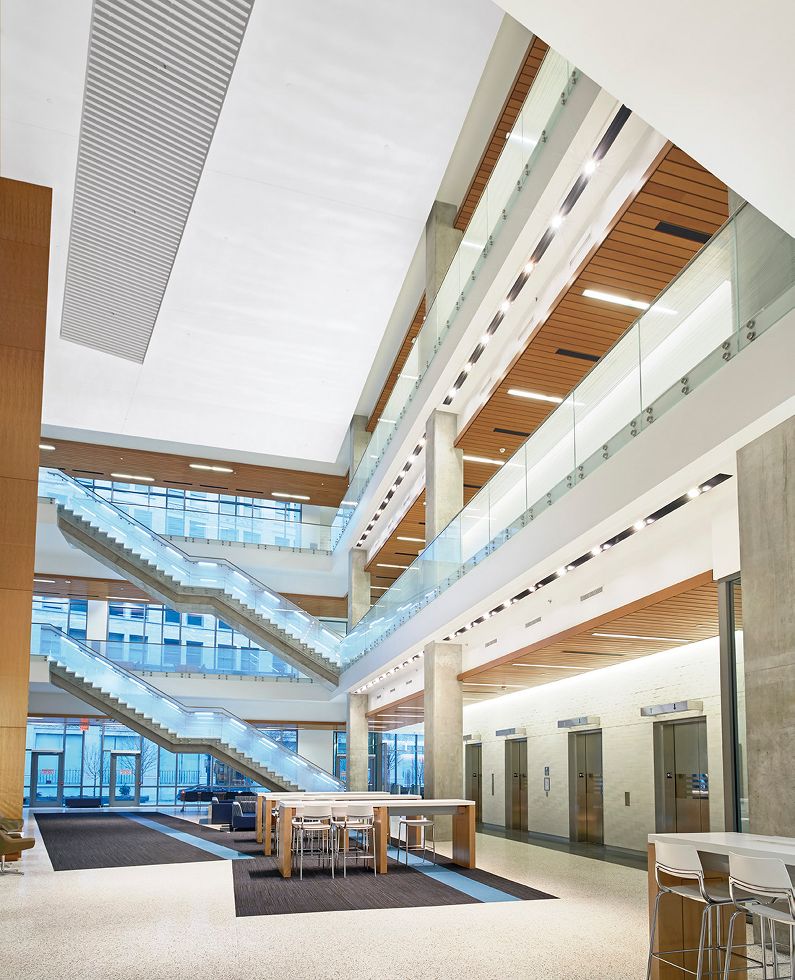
(156, 79)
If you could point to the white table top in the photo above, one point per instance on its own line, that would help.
(402, 804)
(308, 797)
(749, 845)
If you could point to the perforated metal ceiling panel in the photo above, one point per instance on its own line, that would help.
(157, 75)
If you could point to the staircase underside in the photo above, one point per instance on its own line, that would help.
(213, 602)
(155, 733)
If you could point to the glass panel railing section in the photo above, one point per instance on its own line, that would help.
(211, 725)
(162, 658)
(740, 284)
(525, 141)
(189, 572)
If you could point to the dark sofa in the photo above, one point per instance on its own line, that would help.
(235, 814)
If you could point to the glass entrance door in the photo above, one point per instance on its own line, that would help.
(46, 778)
(125, 778)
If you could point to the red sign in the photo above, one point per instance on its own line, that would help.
(84, 724)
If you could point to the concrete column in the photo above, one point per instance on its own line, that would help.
(444, 473)
(97, 620)
(358, 438)
(441, 244)
(766, 492)
(358, 586)
(444, 729)
(357, 743)
(24, 264)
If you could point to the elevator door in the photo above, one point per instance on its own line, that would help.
(586, 800)
(474, 777)
(516, 784)
(682, 775)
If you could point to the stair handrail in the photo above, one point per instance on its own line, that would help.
(56, 474)
(179, 705)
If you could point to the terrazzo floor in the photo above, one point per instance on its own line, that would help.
(172, 922)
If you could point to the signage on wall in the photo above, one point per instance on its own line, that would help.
(84, 724)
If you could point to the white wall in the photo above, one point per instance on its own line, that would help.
(616, 695)
(317, 745)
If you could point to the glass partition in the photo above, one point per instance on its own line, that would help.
(525, 142)
(740, 284)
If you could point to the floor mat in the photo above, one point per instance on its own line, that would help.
(82, 841)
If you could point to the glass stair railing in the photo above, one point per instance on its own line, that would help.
(191, 584)
(76, 668)
(738, 286)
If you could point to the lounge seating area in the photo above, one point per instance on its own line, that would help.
(237, 814)
(12, 843)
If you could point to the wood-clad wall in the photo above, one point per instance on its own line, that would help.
(24, 260)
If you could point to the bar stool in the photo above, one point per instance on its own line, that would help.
(314, 826)
(359, 820)
(754, 883)
(682, 861)
(424, 824)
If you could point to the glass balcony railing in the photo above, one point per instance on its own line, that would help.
(202, 574)
(214, 726)
(525, 142)
(162, 658)
(740, 284)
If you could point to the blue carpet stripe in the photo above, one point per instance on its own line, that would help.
(446, 876)
(204, 845)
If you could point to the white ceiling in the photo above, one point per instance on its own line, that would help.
(717, 78)
(338, 125)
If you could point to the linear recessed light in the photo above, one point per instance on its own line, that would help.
(634, 636)
(534, 396)
(480, 684)
(44, 581)
(417, 540)
(133, 476)
(212, 469)
(614, 298)
(554, 666)
(46, 447)
(483, 459)
(289, 496)
(122, 598)
(381, 564)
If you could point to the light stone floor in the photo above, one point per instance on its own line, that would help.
(178, 921)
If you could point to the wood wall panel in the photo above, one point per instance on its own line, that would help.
(83, 459)
(24, 262)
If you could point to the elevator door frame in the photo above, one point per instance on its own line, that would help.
(516, 818)
(586, 823)
(665, 788)
(473, 766)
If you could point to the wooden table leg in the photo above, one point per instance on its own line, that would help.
(258, 810)
(381, 814)
(464, 836)
(267, 827)
(286, 814)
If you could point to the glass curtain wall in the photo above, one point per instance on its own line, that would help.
(86, 744)
(399, 762)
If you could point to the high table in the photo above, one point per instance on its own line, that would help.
(463, 812)
(679, 921)
(265, 801)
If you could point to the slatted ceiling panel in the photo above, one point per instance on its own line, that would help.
(406, 711)
(82, 459)
(397, 366)
(505, 122)
(635, 260)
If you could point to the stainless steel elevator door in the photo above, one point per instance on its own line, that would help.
(586, 789)
(473, 765)
(516, 784)
(682, 770)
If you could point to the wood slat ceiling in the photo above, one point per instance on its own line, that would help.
(80, 587)
(84, 459)
(505, 123)
(397, 365)
(684, 613)
(636, 261)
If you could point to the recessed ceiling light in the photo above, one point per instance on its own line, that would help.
(480, 684)
(529, 267)
(695, 492)
(483, 459)
(46, 447)
(639, 525)
(636, 304)
(556, 222)
(553, 666)
(633, 636)
(213, 469)
(590, 167)
(44, 581)
(133, 477)
(418, 540)
(505, 305)
(534, 396)
(384, 565)
(289, 496)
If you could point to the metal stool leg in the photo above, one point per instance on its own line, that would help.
(701, 940)
(653, 933)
